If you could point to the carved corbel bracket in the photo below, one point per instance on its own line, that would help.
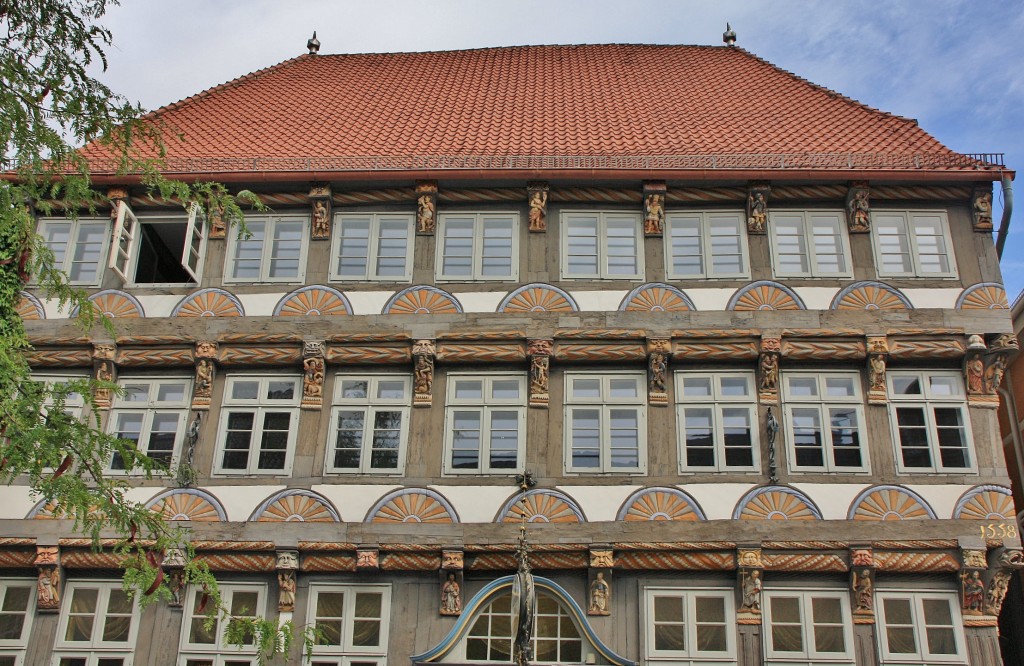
(287, 564)
(320, 204)
(757, 207)
(313, 365)
(206, 372)
(858, 207)
(654, 207)
(423, 354)
(768, 371)
(1000, 350)
(539, 352)
(878, 356)
(981, 208)
(174, 571)
(750, 572)
(218, 225)
(450, 579)
(972, 581)
(48, 586)
(659, 350)
(426, 206)
(104, 370)
(862, 585)
(537, 200)
(599, 581)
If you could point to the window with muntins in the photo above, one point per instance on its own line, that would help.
(809, 244)
(478, 246)
(716, 414)
(824, 417)
(352, 622)
(605, 422)
(687, 627)
(258, 423)
(602, 246)
(79, 247)
(706, 244)
(370, 424)
(928, 413)
(807, 627)
(98, 624)
(485, 423)
(556, 638)
(151, 414)
(372, 246)
(203, 645)
(920, 628)
(275, 251)
(17, 601)
(911, 243)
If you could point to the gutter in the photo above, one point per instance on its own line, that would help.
(1004, 224)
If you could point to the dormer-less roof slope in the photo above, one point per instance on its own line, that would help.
(487, 106)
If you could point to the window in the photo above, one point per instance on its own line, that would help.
(98, 621)
(372, 246)
(485, 423)
(706, 244)
(480, 246)
(152, 414)
(809, 244)
(78, 246)
(912, 244)
(605, 422)
(17, 598)
(73, 403)
(929, 419)
(353, 624)
(275, 251)
(258, 425)
(717, 416)
(685, 625)
(824, 413)
(206, 646)
(916, 627)
(810, 627)
(370, 424)
(602, 245)
(556, 638)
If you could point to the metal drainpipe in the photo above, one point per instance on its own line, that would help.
(1004, 223)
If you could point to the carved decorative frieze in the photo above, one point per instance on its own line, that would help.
(313, 375)
(368, 354)
(852, 350)
(910, 349)
(320, 202)
(878, 354)
(426, 206)
(58, 358)
(49, 581)
(675, 560)
(423, 372)
(815, 562)
(154, 357)
(858, 207)
(757, 207)
(540, 365)
(714, 351)
(480, 352)
(282, 356)
(537, 199)
(768, 371)
(612, 351)
(654, 207)
(911, 562)
(981, 208)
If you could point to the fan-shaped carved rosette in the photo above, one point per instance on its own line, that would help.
(986, 503)
(542, 506)
(984, 296)
(776, 503)
(186, 504)
(889, 503)
(412, 506)
(312, 301)
(297, 506)
(656, 298)
(116, 304)
(538, 298)
(422, 300)
(209, 303)
(870, 296)
(29, 307)
(765, 296)
(660, 504)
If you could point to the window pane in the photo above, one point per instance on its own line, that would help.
(697, 387)
(622, 247)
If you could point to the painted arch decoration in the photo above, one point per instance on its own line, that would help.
(889, 503)
(541, 506)
(656, 297)
(412, 505)
(115, 304)
(660, 504)
(211, 302)
(29, 307)
(188, 504)
(870, 295)
(447, 648)
(765, 295)
(983, 296)
(775, 503)
(304, 506)
(986, 502)
(538, 297)
(422, 299)
(313, 300)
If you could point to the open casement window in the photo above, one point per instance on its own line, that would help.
(206, 646)
(78, 247)
(158, 249)
(602, 246)
(706, 244)
(122, 245)
(372, 246)
(717, 421)
(151, 414)
(370, 424)
(810, 244)
(195, 241)
(17, 603)
(824, 421)
(478, 246)
(98, 625)
(807, 627)
(912, 243)
(690, 627)
(931, 428)
(920, 628)
(605, 422)
(485, 423)
(352, 622)
(258, 424)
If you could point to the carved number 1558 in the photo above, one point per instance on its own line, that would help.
(998, 530)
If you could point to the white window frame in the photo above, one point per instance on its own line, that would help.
(479, 221)
(124, 240)
(335, 654)
(807, 219)
(127, 237)
(485, 406)
(96, 648)
(718, 402)
(15, 647)
(259, 407)
(928, 402)
(809, 655)
(691, 655)
(922, 656)
(66, 263)
(74, 403)
(375, 222)
(705, 221)
(266, 251)
(148, 409)
(370, 406)
(219, 651)
(604, 404)
(602, 257)
(906, 219)
(823, 404)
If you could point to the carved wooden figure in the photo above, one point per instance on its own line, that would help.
(599, 594)
(981, 207)
(537, 198)
(757, 208)
(659, 352)
(451, 594)
(426, 206)
(768, 366)
(858, 208)
(654, 207)
(423, 353)
(48, 584)
(320, 199)
(313, 375)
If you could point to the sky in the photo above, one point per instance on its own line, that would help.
(956, 66)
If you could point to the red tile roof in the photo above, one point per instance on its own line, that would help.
(606, 101)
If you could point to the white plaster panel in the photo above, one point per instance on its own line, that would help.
(718, 500)
(51, 306)
(367, 302)
(710, 299)
(599, 502)
(260, 305)
(816, 298)
(353, 501)
(159, 305)
(942, 497)
(932, 298)
(480, 301)
(142, 494)
(476, 504)
(240, 501)
(834, 499)
(15, 502)
(598, 301)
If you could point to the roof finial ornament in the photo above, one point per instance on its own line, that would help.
(729, 36)
(313, 44)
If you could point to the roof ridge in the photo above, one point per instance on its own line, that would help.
(520, 46)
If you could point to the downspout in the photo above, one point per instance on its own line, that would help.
(1004, 224)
